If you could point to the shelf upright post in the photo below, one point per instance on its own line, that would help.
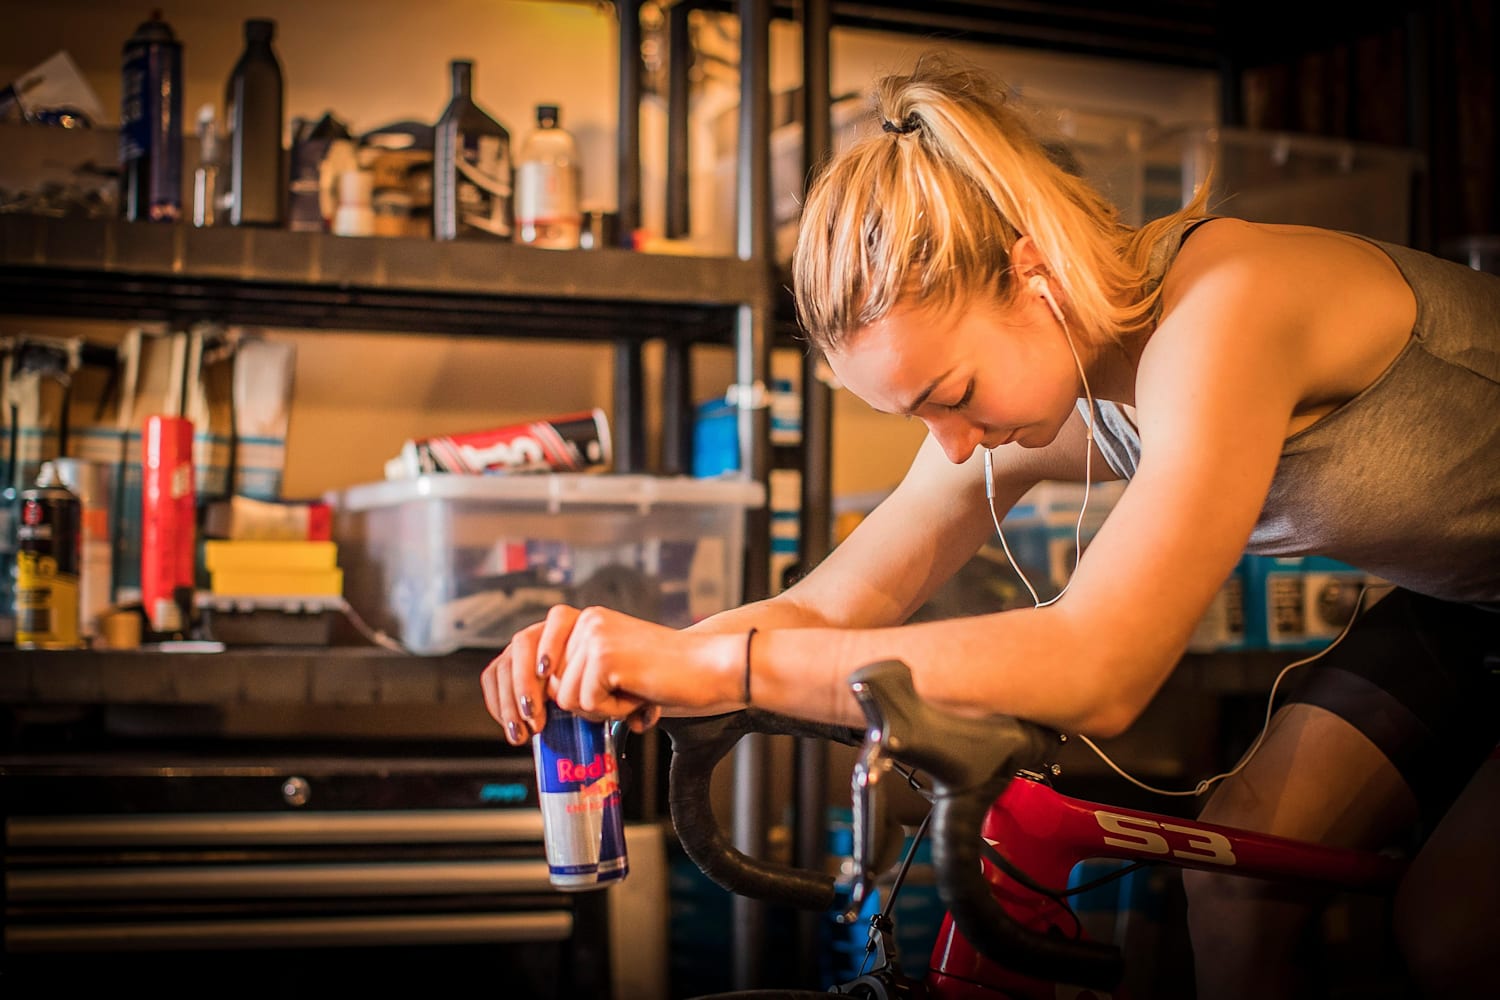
(752, 366)
(1417, 34)
(629, 396)
(810, 756)
(629, 152)
(679, 65)
(677, 403)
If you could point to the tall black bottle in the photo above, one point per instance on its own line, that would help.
(151, 123)
(471, 185)
(252, 115)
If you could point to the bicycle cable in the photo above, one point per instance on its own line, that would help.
(882, 920)
(1005, 865)
(1058, 896)
(1095, 883)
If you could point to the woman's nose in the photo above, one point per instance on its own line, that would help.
(956, 436)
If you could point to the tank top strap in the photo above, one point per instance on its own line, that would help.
(1192, 227)
(1165, 250)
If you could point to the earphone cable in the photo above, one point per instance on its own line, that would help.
(1265, 728)
(1088, 476)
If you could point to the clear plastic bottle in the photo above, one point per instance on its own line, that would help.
(252, 103)
(471, 189)
(547, 210)
(207, 187)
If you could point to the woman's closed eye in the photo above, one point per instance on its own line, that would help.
(963, 400)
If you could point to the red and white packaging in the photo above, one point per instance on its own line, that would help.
(572, 442)
(247, 519)
(168, 522)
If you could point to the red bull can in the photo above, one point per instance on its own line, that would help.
(578, 785)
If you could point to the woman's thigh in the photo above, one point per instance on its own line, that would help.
(1316, 777)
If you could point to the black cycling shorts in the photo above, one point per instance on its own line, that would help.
(1421, 678)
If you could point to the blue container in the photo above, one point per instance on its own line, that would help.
(1298, 602)
(716, 443)
(151, 124)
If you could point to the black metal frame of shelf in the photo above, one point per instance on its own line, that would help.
(317, 281)
(315, 676)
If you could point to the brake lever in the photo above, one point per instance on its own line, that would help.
(970, 761)
(870, 769)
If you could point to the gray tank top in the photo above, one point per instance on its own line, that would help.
(1403, 480)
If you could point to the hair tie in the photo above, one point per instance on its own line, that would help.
(907, 127)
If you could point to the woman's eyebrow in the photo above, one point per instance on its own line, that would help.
(911, 408)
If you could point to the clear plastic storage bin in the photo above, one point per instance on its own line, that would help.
(449, 562)
(1285, 177)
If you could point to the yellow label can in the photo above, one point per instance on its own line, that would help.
(47, 557)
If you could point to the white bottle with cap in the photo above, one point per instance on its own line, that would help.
(356, 214)
(547, 210)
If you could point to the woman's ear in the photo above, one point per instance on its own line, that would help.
(1026, 259)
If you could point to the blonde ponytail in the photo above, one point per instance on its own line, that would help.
(928, 210)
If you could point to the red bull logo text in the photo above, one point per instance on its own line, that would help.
(571, 770)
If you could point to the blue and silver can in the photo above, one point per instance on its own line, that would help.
(578, 785)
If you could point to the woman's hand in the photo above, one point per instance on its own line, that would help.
(515, 682)
(604, 664)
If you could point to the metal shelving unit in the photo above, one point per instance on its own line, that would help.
(177, 274)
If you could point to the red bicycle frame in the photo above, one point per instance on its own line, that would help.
(1045, 834)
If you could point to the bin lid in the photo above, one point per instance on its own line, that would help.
(554, 491)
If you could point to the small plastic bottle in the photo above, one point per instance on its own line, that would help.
(547, 210)
(356, 214)
(207, 192)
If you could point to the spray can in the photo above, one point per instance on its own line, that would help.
(168, 522)
(47, 558)
(151, 124)
(578, 786)
(89, 482)
(10, 515)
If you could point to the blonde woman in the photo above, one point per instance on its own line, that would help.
(1275, 388)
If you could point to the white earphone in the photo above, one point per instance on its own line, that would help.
(1038, 284)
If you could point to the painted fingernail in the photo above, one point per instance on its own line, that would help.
(513, 732)
(543, 666)
(528, 707)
